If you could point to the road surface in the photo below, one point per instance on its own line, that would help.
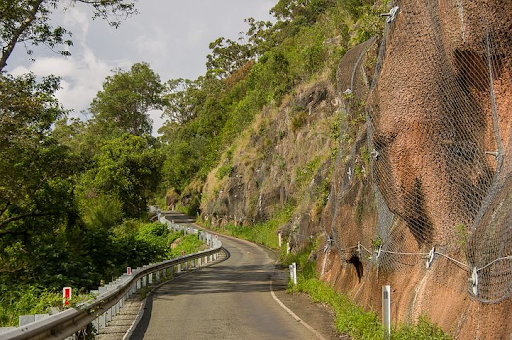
(229, 300)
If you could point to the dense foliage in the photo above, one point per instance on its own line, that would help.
(65, 190)
(205, 115)
(69, 189)
(71, 192)
(106, 254)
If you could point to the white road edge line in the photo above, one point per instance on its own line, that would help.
(288, 310)
(279, 302)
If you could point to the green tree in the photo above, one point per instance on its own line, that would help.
(35, 170)
(127, 97)
(127, 168)
(227, 56)
(36, 178)
(183, 97)
(28, 22)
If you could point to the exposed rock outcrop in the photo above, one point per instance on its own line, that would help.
(422, 171)
(438, 131)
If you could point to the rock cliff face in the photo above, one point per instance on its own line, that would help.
(419, 178)
(438, 131)
(286, 151)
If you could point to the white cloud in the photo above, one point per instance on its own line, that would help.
(77, 20)
(158, 121)
(82, 76)
(152, 43)
(172, 36)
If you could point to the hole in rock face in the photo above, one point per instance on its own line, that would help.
(358, 265)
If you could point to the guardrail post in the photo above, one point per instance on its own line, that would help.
(199, 261)
(108, 316)
(95, 324)
(102, 321)
(179, 268)
(150, 278)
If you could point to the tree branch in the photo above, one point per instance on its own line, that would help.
(5, 208)
(7, 50)
(20, 217)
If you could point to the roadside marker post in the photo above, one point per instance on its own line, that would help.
(293, 273)
(386, 311)
(66, 296)
(128, 270)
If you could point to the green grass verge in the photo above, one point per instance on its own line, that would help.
(261, 233)
(350, 318)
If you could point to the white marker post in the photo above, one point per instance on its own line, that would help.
(279, 239)
(293, 273)
(66, 296)
(386, 311)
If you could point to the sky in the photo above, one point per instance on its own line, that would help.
(171, 35)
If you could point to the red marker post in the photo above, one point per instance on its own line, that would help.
(66, 296)
(128, 270)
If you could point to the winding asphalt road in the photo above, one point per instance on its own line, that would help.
(228, 300)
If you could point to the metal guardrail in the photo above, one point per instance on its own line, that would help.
(111, 298)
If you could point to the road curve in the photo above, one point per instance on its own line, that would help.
(229, 300)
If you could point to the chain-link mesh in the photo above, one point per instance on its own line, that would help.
(438, 130)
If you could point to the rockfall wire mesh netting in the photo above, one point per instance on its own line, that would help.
(439, 125)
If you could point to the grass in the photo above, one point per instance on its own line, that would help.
(188, 244)
(350, 318)
(262, 233)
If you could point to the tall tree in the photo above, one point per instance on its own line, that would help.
(34, 167)
(127, 169)
(28, 22)
(126, 100)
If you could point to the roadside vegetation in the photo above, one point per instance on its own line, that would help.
(350, 318)
(260, 233)
(134, 243)
(246, 75)
(73, 194)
